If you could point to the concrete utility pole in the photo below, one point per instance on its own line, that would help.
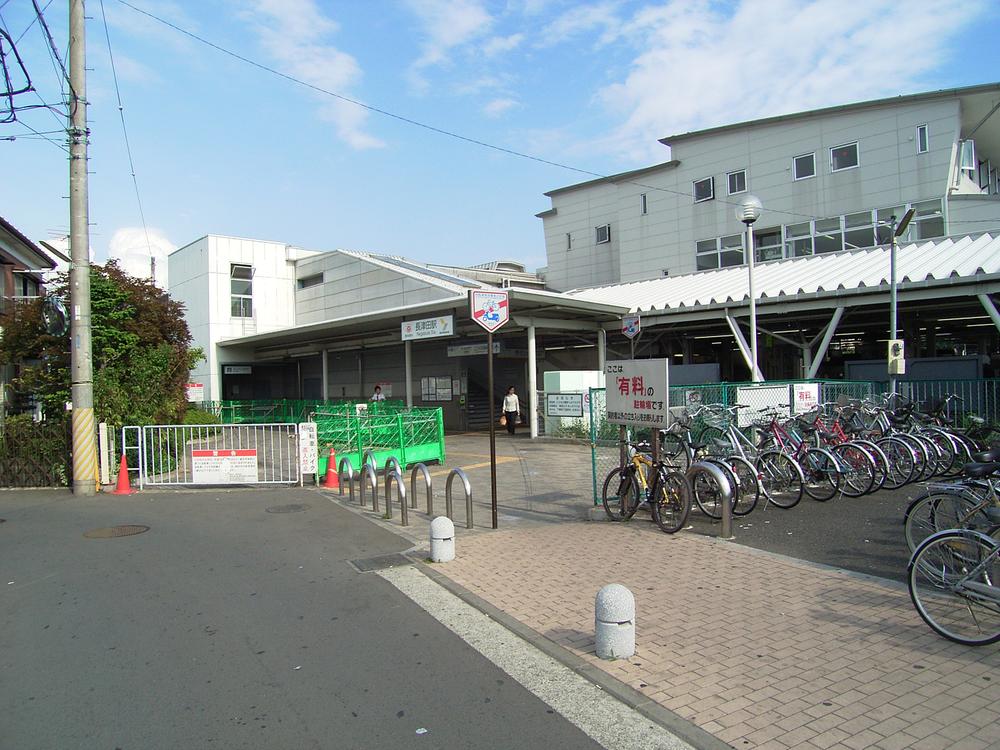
(81, 357)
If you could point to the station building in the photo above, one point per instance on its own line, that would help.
(665, 241)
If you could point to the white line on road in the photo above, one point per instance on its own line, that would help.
(602, 717)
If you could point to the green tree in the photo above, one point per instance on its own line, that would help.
(141, 351)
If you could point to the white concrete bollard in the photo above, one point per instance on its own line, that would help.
(614, 622)
(442, 539)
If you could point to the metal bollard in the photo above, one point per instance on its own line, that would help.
(397, 479)
(702, 467)
(614, 622)
(442, 539)
(427, 482)
(345, 461)
(468, 496)
(366, 471)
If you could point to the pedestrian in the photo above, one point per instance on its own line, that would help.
(511, 409)
(377, 395)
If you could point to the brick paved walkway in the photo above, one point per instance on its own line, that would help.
(762, 651)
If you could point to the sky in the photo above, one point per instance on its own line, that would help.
(474, 108)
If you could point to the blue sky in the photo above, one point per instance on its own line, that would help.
(220, 146)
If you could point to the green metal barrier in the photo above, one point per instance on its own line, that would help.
(292, 410)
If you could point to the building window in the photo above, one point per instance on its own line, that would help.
(844, 157)
(241, 290)
(767, 244)
(719, 252)
(737, 181)
(643, 206)
(309, 281)
(798, 239)
(922, 144)
(602, 233)
(967, 157)
(927, 222)
(804, 166)
(704, 190)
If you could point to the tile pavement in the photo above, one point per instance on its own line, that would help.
(760, 650)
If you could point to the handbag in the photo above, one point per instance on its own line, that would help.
(503, 420)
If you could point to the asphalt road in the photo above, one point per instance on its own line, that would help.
(229, 626)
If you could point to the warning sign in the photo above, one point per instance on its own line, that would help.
(230, 466)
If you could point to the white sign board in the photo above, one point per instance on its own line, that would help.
(468, 350)
(196, 392)
(490, 309)
(631, 326)
(428, 328)
(308, 448)
(637, 392)
(564, 404)
(237, 370)
(757, 397)
(805, 397)
(897, 357)
(226, 466)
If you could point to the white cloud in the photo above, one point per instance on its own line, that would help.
(497, 107)
(294, 33)
(580, 19)
(134, 254)
(698, 66)
(500, 45)
(446, 24)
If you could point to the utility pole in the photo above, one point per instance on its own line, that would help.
(81, 356)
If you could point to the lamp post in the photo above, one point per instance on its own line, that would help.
(748, 212)
(897, 230)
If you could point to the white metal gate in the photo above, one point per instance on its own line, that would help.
(213, 454)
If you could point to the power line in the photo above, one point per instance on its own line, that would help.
(128, 147)
(39, 133)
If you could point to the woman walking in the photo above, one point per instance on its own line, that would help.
(511, 408)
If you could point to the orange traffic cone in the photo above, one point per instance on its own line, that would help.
(332, 480)
(123, 487)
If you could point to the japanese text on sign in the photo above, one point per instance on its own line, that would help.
(637, 392)
(224, 466)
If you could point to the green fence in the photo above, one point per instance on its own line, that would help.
(276, 411)
(410, 435)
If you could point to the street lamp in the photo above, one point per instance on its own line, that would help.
(748, 212)
(897, 230)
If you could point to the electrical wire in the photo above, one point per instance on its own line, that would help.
(39, 133)
(128, 147)
(32, 23)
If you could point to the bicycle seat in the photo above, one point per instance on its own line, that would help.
(980, 470)
(987, 456)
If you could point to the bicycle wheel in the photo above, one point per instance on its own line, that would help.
(712, 437)
(672, 501)
(901, 462)
(620, 494)
(780, 479)
(939, 509)
(749, 481)
(674, 451)
(881, 463)
(821, 473)
(952, 578)
(946, 451)
(928, 455)
(857, 468)
(708, 494)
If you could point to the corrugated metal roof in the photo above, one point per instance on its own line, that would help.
(946, 258)
(414, 270)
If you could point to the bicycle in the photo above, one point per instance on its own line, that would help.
(626, 488)
(952, 578)
(819, 467)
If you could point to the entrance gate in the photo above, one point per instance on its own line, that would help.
(220, 454)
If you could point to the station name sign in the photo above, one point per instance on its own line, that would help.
(428, 328)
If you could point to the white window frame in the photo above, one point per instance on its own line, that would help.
(597, 234)
(927, 139)
(711, 191)
(729, 186)
(795, 171)
(857, 156)
(241, 297)
(643, 204)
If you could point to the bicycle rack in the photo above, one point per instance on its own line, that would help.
(391, 465)
(396, 478)
(468, 496)
(701, 467)
(345, 461)
(366, 471)
(422, 469)
(369, 459)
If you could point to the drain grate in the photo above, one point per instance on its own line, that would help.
(112, 532)
(292, 508)
(381, 562)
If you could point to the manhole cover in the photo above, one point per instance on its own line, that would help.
(110, 532)
(293, 508)
(381, 562)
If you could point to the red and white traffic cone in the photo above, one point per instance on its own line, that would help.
(123, 487)
(332, 480)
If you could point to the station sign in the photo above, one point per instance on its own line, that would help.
(490, 309)
(637, 392)
(428, 328)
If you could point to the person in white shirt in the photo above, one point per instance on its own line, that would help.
(511, 409)
(378, 396)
